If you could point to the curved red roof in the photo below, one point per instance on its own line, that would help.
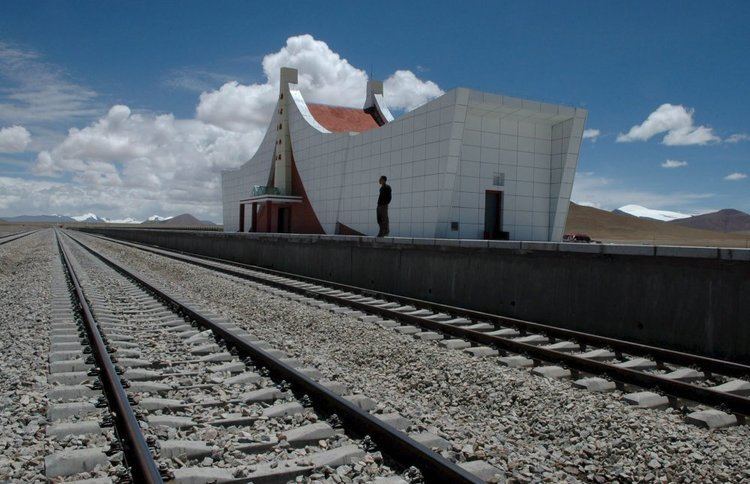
(337, 119)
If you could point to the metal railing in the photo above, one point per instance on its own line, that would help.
(260, 190)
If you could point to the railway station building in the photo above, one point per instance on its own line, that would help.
(468, 165)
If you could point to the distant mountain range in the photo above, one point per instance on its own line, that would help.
(40, 218)
(726, 220)
(618, 226)
(182, 220)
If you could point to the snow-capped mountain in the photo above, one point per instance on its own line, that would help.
(643, 212)
(89, 218)
(94, 218)
(127, 220)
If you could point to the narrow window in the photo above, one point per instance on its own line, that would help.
(498, 179)
(454, 226)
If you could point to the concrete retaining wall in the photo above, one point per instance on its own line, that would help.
(686, 298)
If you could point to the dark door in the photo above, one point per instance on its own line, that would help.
(284, 220)
(242, 217)
(493, 210)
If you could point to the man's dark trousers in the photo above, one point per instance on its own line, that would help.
(382, 215)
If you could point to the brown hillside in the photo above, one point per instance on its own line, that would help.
(610, 227)
(727, 220)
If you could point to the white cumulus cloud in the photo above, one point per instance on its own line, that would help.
(404, 90)
(737, 137)
(14, 139)
(238, 107)
(591, 134)
(735, 176)
(157, 152)
(139, 163)
(324, 77)
(674, 164)
(674, 120)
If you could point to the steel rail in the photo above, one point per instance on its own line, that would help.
(135, 449)
(392, 441)
(10, 234)
(659, 355)
(16, 236)
(735, 403)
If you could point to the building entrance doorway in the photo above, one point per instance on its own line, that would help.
(284, 221)
(493, 216)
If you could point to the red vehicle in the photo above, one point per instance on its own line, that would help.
(575, 237)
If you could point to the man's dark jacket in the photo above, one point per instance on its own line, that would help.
(385, 195)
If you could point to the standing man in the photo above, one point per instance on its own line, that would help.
(382, 211)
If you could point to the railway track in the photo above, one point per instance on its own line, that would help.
(78, 355)
(198, 399)
(15, 236)
(710, 392)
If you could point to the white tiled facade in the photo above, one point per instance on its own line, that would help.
(439, 159)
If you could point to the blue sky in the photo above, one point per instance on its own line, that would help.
(65, 64)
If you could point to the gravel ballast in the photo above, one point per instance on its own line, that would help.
(531, 427)
(24, 342)
(196, 390)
